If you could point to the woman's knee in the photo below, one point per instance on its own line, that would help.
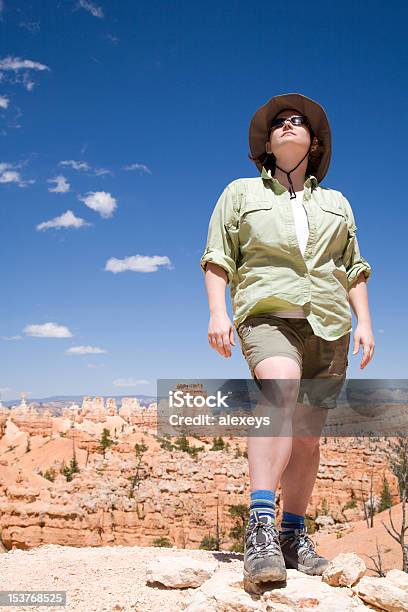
(278, 367)
(306, 444)
(279, 378)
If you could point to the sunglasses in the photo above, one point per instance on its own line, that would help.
(295, 120)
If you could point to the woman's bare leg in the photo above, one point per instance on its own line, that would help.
(269, 456)
(299, 476)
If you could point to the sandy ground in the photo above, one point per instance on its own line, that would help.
(362, 541)
(97, 579)
(114, 578)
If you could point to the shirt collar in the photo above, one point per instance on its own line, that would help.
(310, 183)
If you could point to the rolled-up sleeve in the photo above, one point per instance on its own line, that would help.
(353, 261)
(222, 239)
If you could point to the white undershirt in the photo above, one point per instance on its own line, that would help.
(302, 232)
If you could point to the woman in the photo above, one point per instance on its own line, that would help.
(289, 250)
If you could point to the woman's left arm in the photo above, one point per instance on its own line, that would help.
(358, 272)
(363, 333)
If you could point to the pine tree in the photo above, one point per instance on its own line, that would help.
(386, 497)
(105, 441)
(241, 513)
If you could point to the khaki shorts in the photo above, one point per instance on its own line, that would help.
(266, 335)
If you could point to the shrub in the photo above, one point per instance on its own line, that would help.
(209, 543)
(218, 444)
(50, 474)
(162, 542)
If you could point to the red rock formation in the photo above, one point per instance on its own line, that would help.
(133, 499)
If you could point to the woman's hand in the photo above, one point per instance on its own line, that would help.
(221, 333)
(364, 336)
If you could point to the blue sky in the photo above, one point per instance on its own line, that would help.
(142, 109)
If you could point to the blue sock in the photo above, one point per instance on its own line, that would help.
(291, 521)
(263, 503)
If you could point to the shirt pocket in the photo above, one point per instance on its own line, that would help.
(255, 221)
(332, 229)
(244, 330)
(332, 208)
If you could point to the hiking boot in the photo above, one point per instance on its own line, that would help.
(263, 559)
(299, 553)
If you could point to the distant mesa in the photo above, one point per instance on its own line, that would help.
(38, 420)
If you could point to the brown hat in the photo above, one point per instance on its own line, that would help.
(262, 119)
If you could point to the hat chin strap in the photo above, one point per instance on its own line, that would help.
(291, 188)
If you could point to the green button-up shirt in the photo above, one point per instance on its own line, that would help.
(252, 236)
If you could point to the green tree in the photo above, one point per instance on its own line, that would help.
(74, 467)
(214, 542)
(136, 478)
(105, 441)
(69, 471)
(183, 444)
(165, 443)
(240, 512)
(140, 449)
(218, 444)
(386, 497)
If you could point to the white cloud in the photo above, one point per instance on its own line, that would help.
(61, 184)
(16, 63)
(76, 165)
(83, 165)
(67, 219)
(100, 201)
(101, 171)
(96, 11)
(21, 69)
(8, 174)
(84, 350)
(138, 167)
(27, 82)
(47, 330)
(129, 382)
(4, 102)
(12, 337)
(137, 263)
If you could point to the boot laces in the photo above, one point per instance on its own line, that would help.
(305, 545)
(271, 543)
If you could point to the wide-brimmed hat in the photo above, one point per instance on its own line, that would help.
(262, 119)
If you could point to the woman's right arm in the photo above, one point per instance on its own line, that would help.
(220, 328)
(219, 266)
